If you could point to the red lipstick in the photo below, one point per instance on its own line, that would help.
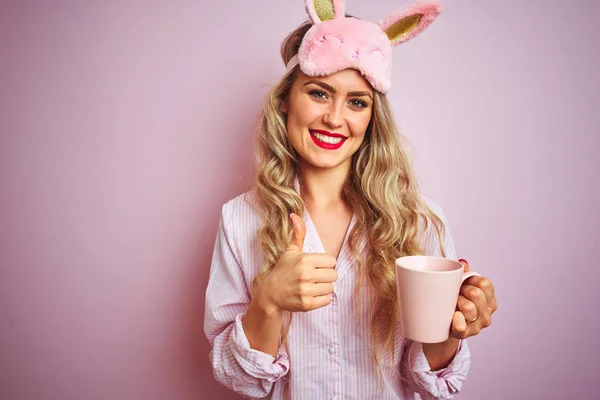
(324, 145)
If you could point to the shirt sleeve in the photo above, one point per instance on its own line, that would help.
(441, 384)
(235, 365)
(414, 367)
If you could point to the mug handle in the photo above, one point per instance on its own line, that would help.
(467, 275)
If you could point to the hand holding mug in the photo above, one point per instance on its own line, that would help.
(475, 306)
(428, 290)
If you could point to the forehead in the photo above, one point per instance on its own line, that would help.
(347, 80)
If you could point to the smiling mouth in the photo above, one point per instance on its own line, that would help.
(327, 138)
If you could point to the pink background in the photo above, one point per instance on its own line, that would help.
(125, 125)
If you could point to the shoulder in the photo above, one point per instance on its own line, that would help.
(437, 242)
(433, 206)
(240, 224)
(242, 203)
(241, 209)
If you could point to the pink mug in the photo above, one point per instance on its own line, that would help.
(428, 289)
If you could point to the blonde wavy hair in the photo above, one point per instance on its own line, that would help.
(381, 187)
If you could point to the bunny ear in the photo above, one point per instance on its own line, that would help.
(324, 10)
(405, 24)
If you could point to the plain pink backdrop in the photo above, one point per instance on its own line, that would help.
(125, 125)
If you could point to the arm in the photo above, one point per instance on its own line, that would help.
(235, 363)
(440, 355)
(434, 384)
(262, 325)
(263, 320)
(436, 370)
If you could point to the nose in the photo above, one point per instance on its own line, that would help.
(334, 115)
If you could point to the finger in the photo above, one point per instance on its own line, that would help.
(320, 301)
(486, 286)
(468, 308)
(465, 264)
(321, 289)
(298, 235)
(459, 326)
(325, 275)
(320, 260)
(476, 295)
(493, 306)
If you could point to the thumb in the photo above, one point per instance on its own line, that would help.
(465, 263)
(298, 235)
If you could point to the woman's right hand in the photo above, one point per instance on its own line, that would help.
(300, 281)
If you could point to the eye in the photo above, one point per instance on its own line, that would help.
(358, 103)
(318, 94)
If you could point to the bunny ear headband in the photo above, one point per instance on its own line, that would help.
(336, 42)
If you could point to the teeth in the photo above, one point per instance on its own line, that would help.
(327, 139)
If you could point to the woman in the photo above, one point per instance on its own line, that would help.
(301, 301)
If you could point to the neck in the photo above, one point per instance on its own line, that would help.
(323, 187)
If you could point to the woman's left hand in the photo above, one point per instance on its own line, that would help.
(474, 309)
(475, 306)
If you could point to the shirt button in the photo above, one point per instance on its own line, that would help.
(331, 351)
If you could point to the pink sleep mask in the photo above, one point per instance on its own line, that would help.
(336, 42)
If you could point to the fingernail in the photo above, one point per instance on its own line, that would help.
(463, 260)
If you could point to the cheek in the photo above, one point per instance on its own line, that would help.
(359, 124)
(303, 113)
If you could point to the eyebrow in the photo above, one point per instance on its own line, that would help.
(332, 90)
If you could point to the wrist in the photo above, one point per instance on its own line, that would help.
(265, 304)
(440, 355)
(262, 323)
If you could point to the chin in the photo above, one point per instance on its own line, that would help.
(324, 164)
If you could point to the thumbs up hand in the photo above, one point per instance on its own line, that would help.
(300, 281)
